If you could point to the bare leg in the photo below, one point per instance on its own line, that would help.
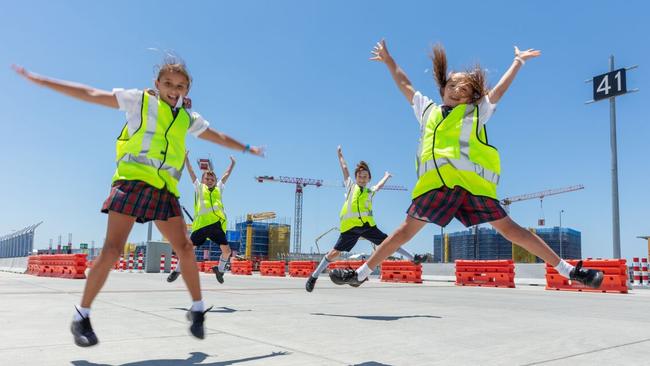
(332, 254)
(399, 237)
(117, 232)
(525, 239)
(174, 229)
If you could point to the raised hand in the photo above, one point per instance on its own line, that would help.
(380, 52)
(256, 150)
(527, 54)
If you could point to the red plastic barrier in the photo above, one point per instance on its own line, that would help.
(58, 265)
(241, 267)
(301, 268)
(272, 268)
(614, 280)
(485, 273)
(346, 264)
(401, 271)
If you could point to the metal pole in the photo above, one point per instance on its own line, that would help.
(149, 229)
(560, 234)
(616, 229)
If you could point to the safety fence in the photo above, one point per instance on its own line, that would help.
(485, 273)
(272, 268)
(614, 276)
(302, 268)
(58, 265)
(401, 271)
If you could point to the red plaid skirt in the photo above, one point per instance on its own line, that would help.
(144, 202)
(440, 206)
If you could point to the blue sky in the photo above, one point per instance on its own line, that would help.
(295, 76)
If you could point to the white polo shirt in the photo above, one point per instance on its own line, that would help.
(130, 101)
(421, 102)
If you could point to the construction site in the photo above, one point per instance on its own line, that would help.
(312, 183)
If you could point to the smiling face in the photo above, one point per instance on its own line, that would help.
(458, 90)
(362, 177)
(172, 86)
(209, 179)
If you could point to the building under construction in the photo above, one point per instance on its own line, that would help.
(269, 240)
(486, 243)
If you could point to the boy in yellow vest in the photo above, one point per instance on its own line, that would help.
(356, 217)
(457, 169)
(209, 215)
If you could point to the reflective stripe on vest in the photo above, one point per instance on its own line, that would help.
(450, 140)
(153, 153)
(155, 163)
(350, 218)
(207, 215)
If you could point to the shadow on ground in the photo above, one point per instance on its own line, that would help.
(386, 318)
(196, 358)
(221, 309)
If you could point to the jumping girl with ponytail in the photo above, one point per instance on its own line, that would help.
(458, 170)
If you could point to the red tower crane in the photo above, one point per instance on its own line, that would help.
(300, 184)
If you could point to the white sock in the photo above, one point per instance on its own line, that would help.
(85, 312)
(564, 268)
(363, 272)
(197, 306)
(178, 267)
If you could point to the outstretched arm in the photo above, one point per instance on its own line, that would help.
(188, 165)
(520, 59)
(227, 141)
(344, 165)
(380, 53)
(75, 90)
(226, 174)
(381, 183)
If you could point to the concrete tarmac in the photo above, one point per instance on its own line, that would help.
(140, 321)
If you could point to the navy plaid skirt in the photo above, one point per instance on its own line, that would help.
(440, 206)
(142, 201)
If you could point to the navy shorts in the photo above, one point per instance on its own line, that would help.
(440, 206)
(348, 239)
(141, 200)
(214, 232)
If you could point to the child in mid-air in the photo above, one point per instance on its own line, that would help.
(209, 216)
(458, 170)
(357, 220)
(150, 153)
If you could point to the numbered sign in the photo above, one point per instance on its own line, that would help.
(610, 84)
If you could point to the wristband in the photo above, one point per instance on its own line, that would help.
(247, 148)
(521, 60)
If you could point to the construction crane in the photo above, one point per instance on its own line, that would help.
(551, 192)
(260, 216)
(300, 184)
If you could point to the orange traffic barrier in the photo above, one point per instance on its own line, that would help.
(58, 265)
(241, 267)
(272, 268)
(401, 271)
(346, 264)
(207, 266)
(485, 273)
(615, 276)
(301, 268)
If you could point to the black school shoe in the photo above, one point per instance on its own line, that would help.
(589, 277)
(197, 318)
(311, 282)
(420, 258)
(346, 276)
(173, 275)
(218, 273)
(83, 333)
